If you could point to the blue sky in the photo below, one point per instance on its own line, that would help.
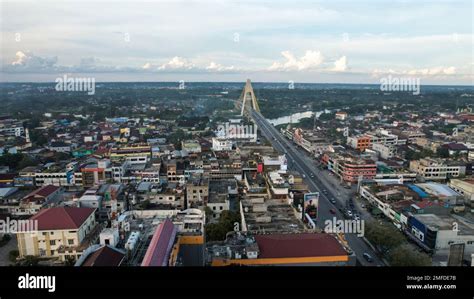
(306, 41)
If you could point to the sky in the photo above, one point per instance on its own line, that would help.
(268, 41)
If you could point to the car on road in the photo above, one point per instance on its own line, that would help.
(303, 175)
(325, 191)
(332, 211)
(368, 257)
(356, 217)
(311, 175)
(333, 200)
(349, 213)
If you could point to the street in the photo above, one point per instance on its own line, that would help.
(313, 177)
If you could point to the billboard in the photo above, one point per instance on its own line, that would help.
(310, 205)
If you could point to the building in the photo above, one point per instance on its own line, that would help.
(133, 150)
(159, 250)
(303, 249)
(221, 144)
(220, 194)
(465, 188)
(360, 143)
(60, 147)
(101, 256)
(439, 232)
(63, 232)
(385, 151)
(341, 115)
(197, 190)
(40, 198)
(349, 168)
(191, 146)
(437, 169)
(380, 136)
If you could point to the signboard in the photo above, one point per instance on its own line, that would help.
(310, 205)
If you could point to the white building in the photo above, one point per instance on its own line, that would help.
(220, 144)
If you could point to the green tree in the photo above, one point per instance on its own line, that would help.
(406, 256)
(218, 231)
(12, 255)
(442, 152)
(385, 237)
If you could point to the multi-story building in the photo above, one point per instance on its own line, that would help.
(276, 249)
(437, 169)
(385, 151)
(62, 233)
(221, 144)
(197, 190)
(465, 188)
(367, 140)
(349, 168)
(133, 150)
(360, 143)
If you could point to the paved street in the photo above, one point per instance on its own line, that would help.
(316, 183)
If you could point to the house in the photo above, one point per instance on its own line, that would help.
(62, 233)
(40, 198)
(59, 147)
(101, 256)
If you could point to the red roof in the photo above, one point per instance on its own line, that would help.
(160, 246)
(44, 191)
(62, 218)
(298, 245)
(105, 256)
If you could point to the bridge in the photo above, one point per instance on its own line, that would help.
(248, 96)
(299, 160)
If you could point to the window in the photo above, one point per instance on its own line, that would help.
(52, 242)
(70, 241)
(52, 252)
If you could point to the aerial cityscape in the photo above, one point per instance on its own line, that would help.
(178, 141)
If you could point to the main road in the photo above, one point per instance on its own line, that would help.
(307, 167)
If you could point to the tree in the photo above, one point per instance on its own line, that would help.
(406, 256)
(145, 204)
(385, 237)
(12, 255)
(11, 160)
(208, 212)
(218, 231)
(70, 261)
(442, 152)
(30, 261)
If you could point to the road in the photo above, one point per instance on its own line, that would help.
(307, 166)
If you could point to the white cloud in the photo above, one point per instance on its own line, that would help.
(340, 65)
(146, 66)
(310, 60)
(20, 58)
(433, 71)
(28, 61)
(219, 67)
(425, 72)
(177, 63)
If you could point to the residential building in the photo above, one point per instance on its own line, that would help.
(63, 232)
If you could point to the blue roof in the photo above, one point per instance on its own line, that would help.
(418, 190)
